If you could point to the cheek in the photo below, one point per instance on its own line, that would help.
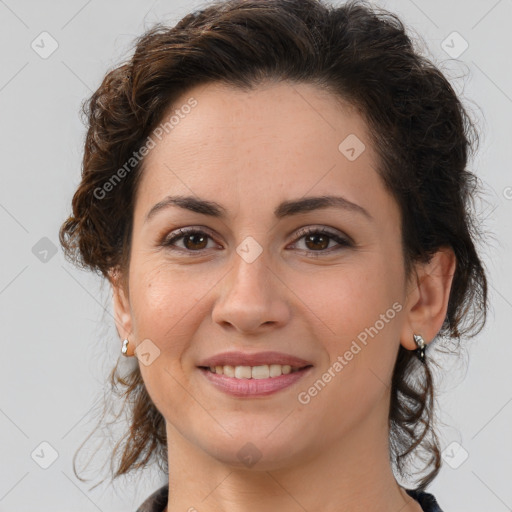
(162, 300)
(355, 297)
(363, 313)
(165, 309)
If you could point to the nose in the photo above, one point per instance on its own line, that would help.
(251, 298)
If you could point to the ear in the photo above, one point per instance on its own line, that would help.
(427, 298)
(121, 304)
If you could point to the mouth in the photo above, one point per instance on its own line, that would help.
(248, 375)
(253, 381)
(264, 371)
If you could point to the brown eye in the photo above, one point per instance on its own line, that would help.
(319, 240)
(193, 240)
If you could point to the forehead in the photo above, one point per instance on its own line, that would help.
(283, 137)
(283, 112)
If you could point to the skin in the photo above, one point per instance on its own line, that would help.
(249, 151)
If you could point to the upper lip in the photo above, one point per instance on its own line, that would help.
(257, 359)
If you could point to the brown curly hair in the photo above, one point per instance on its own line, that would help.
(361, 54)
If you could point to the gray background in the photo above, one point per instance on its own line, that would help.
(57, 335)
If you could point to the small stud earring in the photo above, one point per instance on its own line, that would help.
(420, 351)
(124, 349)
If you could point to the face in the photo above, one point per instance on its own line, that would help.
(260, 269)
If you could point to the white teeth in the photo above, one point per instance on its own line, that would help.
(254, 372)
(277, 369)
(243, 372)
(260, 372)
(228, 370)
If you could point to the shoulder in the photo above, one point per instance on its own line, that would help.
(427, 501)
(156, 502)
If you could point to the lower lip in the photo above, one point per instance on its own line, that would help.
(253, 387)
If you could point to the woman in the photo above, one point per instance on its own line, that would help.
(277, 192)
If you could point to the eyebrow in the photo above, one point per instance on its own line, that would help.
(285, 209)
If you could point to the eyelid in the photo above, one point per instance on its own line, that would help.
(182, 232)
(341, 239)
(323, 230)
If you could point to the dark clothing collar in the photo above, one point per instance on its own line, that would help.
(158, 500)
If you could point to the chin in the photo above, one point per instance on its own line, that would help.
(263, 452)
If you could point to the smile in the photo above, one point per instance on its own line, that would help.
(254, 372)
(253, 381)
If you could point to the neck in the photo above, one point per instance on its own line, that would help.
(352, 474)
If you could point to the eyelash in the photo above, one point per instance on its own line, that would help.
(343, 242)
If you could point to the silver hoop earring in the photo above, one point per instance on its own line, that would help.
(420, 351)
